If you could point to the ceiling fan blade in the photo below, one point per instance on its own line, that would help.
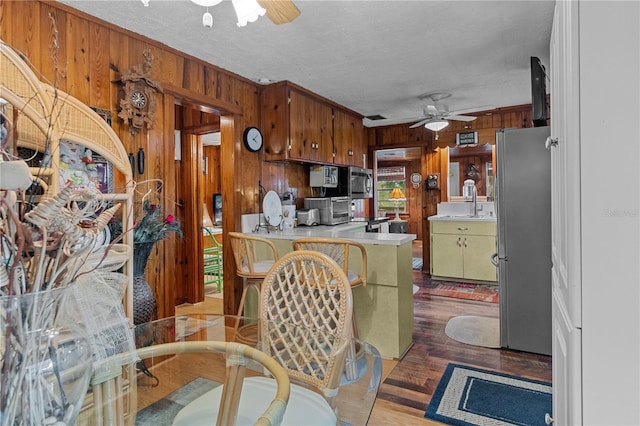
(280, 11)
(431, 110)
(474, 109)
(460, 117)
(420, 123)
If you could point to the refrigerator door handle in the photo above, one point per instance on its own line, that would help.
(494, 259)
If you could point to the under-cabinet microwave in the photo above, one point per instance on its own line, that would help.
(360, 182)
(323, 176)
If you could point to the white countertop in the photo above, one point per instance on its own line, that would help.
(345, 230)
(463, 218)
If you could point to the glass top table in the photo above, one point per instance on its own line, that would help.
(165, 384)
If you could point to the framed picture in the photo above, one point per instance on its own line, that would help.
(80, 166)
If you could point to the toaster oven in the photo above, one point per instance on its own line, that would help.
(333, 210)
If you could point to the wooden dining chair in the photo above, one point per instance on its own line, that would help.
(213, 262)
(307, 290)
(304, 325)
(114, 401)
(340, 249)
(223, 402)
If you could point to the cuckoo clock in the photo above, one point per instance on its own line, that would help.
(137, 103)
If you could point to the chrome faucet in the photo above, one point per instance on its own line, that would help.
(475, 201)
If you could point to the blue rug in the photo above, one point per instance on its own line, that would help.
(470, 396)
(163, 412)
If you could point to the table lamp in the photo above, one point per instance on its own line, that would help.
(397, 195)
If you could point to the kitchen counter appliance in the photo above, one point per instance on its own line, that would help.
(308, 217)
(333, 210)
(360, 182)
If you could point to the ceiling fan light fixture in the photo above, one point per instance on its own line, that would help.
(206, 3)
(247, 11)
(207, 19)
(436, 125)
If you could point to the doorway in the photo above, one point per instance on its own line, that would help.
(395, 167)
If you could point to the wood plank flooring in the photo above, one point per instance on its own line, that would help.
(409, 385)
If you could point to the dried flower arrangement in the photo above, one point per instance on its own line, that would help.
(61, 312)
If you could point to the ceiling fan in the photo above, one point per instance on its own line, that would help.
(278, 11)
(436, 116)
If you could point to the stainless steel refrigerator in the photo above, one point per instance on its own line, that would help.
(523, 208)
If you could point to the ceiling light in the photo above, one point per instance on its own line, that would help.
(247, 11)
(145, 3)
(207, 19)
(206, 3)
(436, 125)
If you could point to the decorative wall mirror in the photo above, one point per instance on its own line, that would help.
(474, 162)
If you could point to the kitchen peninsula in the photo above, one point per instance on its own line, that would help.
(384, 307)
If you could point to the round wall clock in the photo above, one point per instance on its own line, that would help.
(252, 138)
(416, 178)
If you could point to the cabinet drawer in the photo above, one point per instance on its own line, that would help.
(463, 227)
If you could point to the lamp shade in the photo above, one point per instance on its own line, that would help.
(247, 11)
(436, 125)
(397, 194)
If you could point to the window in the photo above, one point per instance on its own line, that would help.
(388, 178)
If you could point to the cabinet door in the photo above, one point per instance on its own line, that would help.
(310, 129)
(477, 257)
(302, 126)
(447, 255)
(323, 151)
(348, 139)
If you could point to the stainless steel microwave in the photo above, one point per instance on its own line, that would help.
(360, 183)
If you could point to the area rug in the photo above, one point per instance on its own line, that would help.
(417, 263)
(162, 412)
(471, 396)
(459, 290)
(474, 330)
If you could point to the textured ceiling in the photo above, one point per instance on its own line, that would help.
(374, 57)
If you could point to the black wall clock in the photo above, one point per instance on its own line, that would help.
(252, 138)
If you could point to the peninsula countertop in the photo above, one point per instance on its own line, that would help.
(351, 231)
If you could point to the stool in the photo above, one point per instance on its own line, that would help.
(254, 256)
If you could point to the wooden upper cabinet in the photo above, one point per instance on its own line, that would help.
(298, 125)
(310, 129)
(348, 138)
(295, 125)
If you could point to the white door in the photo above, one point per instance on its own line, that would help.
(565, 215)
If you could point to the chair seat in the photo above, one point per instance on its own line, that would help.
(261, 266)
(305, 407)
